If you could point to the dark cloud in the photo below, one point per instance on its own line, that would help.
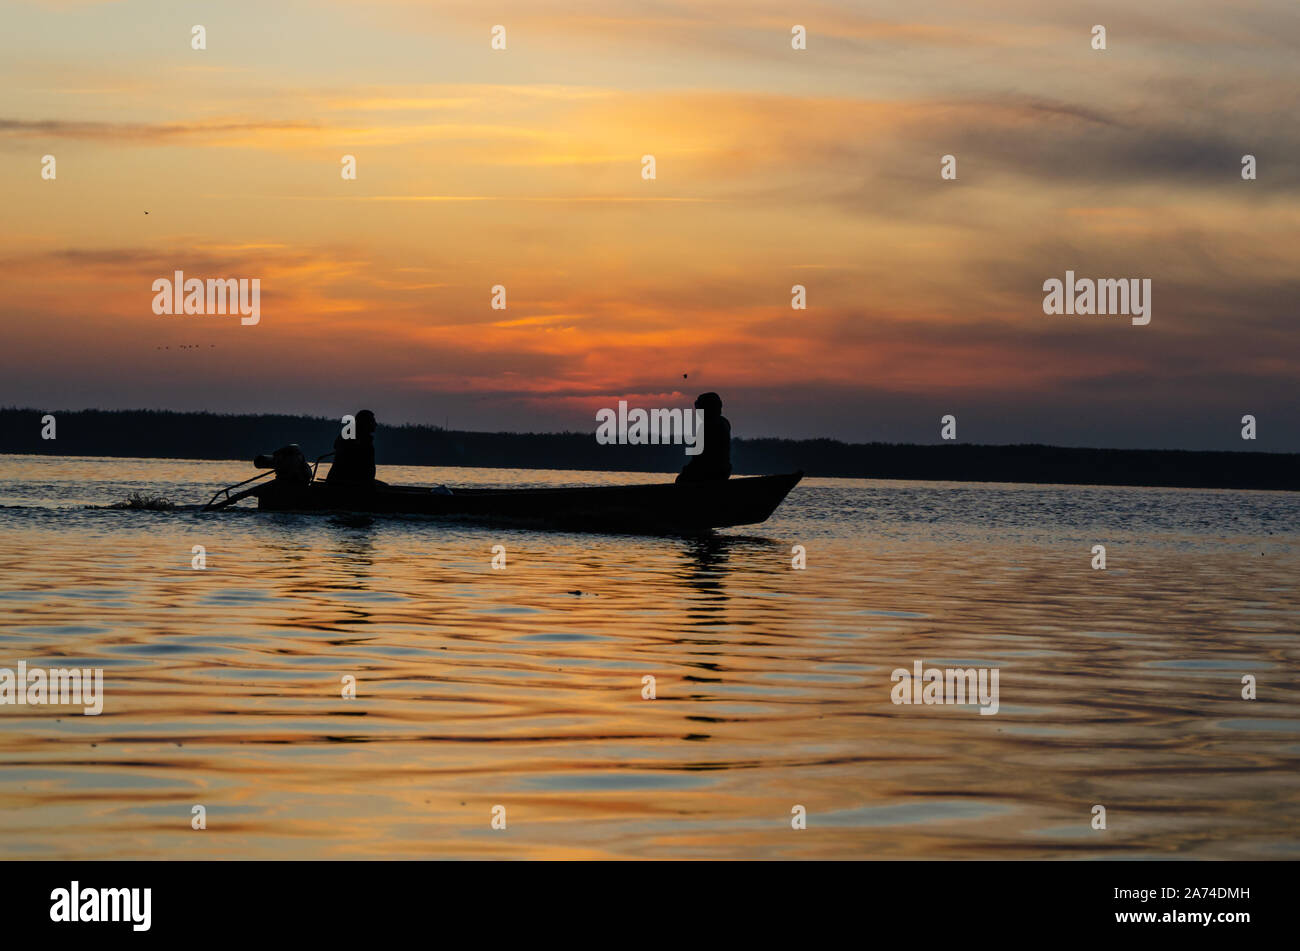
(139, 131)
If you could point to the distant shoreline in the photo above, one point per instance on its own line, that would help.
(155, 434)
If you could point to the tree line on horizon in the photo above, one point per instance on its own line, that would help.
(203, 435)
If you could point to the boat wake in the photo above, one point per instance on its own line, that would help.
(150, 503)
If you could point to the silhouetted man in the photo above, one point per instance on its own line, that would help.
(714, 461)
(354, 459)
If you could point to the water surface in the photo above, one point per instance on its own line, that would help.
(523, 687)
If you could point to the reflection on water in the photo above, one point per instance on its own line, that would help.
(704, 570)
(523, 687)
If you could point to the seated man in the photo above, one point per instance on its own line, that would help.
(354, 459)
(714, 460)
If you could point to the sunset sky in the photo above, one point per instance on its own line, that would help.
(774, 167)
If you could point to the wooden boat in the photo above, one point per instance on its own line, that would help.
(668, 507)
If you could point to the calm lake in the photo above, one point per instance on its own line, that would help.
(522, 687)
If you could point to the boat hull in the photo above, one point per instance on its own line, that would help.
(657, 508)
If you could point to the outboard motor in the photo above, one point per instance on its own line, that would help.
(289, 463)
